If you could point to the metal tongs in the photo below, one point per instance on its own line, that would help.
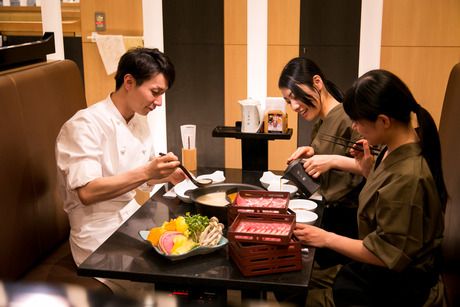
(198, 182)
(348, 143)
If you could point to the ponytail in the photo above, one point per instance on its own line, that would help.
(334, 90)
(431, 148)
(381, 92)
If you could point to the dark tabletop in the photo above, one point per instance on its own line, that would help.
(125, 255)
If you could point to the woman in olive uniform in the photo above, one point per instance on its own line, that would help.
(400, 215)
(305, 88)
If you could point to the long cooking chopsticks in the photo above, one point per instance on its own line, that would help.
(347, 143)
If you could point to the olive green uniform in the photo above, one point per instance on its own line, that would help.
(336, 186)
(339, 189)
(400, 221)
(400, 214)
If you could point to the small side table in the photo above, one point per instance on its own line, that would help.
(254, 146)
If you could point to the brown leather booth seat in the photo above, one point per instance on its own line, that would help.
(35, 101)
(450, 143)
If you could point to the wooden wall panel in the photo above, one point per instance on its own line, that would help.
(235, 71)
(122, 17)
(280, 150)
(97, 83)
(421, 43)
(425, 70)
(235, 22)
(283, 45)
(283, 22)
(421, 23)
(235, 89)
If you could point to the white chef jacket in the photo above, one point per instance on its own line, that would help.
(97, 142)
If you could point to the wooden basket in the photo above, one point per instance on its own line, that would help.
(261, 259)
(262, 228)
(259, 203)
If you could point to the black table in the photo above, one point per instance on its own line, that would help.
(254, 146)
(125, 255)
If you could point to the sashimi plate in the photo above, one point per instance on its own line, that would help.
(200, 250)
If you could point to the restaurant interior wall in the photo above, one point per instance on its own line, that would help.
(283, 42)
(329, 35)
(235, 68)
(196, 47)
(122, 17)
(283, 45)
(421, 43)
(21, 24)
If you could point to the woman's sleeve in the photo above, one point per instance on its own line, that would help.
(399, 215)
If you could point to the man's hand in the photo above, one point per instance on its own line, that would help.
(161, 167)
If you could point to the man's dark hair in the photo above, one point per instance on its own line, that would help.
(143, 64)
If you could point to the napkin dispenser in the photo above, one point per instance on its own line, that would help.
(296, 173)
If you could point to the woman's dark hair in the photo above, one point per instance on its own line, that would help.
(142, 64)
(301, 70)
(381, 92)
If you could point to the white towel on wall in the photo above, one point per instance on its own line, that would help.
(111, 48)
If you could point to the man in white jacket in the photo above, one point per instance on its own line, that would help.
(106, 151)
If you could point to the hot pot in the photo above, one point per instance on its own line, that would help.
(219, 211)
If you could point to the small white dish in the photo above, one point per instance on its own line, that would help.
(302, 204)
(185, 185)
(316, 196)
(292, 189)
(270, 178)
(217, 176)
(306, 217)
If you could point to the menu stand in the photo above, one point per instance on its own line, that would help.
(254, 146)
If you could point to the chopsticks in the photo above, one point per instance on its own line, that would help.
(347, 143)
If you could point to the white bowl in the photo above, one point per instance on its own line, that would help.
(306, 217)
(292, 189)
(217, 177)
(269, 178)
(302, 204)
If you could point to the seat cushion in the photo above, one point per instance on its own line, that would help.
(60, 268)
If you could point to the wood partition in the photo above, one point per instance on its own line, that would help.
(235, 72)
(122, 17)
(421, 44)
(283, 45)
(27, 20)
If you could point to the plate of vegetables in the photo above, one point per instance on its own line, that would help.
(186, 236)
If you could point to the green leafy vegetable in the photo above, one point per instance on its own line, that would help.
(196, 224)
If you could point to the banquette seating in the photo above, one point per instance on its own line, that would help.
(35, 101)
(450, 142)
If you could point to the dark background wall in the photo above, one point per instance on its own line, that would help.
(329, 35)
(194, 40)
